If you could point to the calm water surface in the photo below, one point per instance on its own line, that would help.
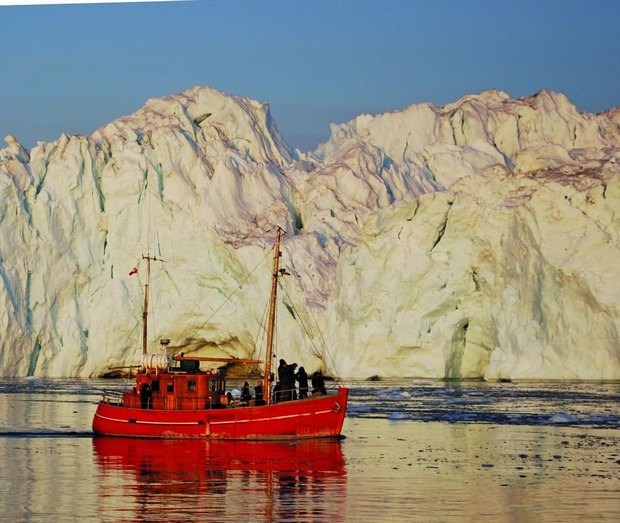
(414, 451)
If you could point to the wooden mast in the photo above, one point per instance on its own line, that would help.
(272, 317)
(145, 309)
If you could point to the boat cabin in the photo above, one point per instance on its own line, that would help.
(185, 387)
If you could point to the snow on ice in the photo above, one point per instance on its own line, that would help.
(478, 239)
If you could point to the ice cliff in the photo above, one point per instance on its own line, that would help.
(478, 239)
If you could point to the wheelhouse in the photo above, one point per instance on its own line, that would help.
(177, 389)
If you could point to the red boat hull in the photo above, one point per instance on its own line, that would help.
(317, 416)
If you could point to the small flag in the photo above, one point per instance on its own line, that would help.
(133, 271)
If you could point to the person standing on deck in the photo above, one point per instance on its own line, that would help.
(289, 387)
(146, 396)
(277, 393)
(258, 393)
(302, 378)
(282, 371)
(286, 379)
(318, 383)
(246, 395)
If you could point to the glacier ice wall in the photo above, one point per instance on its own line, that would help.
(478, 239)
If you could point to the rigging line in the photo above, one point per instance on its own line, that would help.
(260, 336)
(333, 366)
(303, 290)
(238, 287)
(317, 352)
(129, 338)
(326, 351)
(150, 215)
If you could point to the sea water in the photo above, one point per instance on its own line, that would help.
(413, 450)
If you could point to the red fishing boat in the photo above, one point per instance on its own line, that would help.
(176, 398)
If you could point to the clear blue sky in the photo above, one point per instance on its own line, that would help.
(74, 68)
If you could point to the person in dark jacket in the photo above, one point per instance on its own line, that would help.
(286, 379)
(277, 393)
(258, 393)
(246, 395)
(282, 371)
(302, 378)
(288, 386)
(146, 396)
(318, 383)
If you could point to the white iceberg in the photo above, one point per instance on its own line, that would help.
(475, 240)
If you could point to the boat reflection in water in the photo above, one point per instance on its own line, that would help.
(213, 480)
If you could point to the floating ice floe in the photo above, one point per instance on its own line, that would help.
(563, 418)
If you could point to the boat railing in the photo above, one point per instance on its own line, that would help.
(134, 400)
(112, 397)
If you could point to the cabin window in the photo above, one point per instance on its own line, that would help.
(170, 387)
(155, 386)
(222, 385)
(212, 386)
(191, 386)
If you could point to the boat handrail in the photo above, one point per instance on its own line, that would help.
(112, 397)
